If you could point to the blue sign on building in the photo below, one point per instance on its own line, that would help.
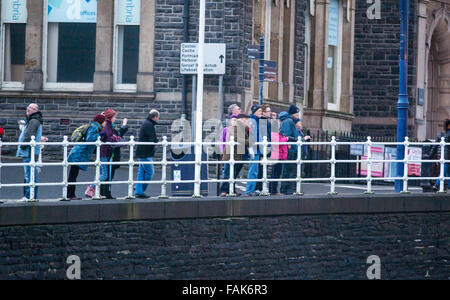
(72, 11)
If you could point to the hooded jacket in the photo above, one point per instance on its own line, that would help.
(33, 127)
(83, 153)
(289, 130)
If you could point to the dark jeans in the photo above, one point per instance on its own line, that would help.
(276, 174)
(73, 174)
(289, 171)
(225, 188)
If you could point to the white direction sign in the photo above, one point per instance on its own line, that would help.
(215, 59)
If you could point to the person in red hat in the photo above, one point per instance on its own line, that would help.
(107, 135)
(83, 153)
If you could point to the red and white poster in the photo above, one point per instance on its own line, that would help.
(377, 167)
(415, 168)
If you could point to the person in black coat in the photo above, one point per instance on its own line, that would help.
(436, 148)
(145, 153)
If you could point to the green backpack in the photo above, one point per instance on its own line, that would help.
(79, 135)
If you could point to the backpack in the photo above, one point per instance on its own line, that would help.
(79, 135)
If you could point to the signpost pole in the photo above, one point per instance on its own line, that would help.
(261, 69)
(199, 114)
(220, 108)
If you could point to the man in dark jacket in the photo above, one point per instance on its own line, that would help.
(436, 149)
(145, 153)
(289, 130)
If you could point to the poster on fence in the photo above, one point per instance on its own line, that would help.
(415, 168)
(390, 168)
(377, 154)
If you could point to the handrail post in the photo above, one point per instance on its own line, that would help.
(97, 170)
(131, 170)
(333, 167)
(164, 171)
(299, 167)
(442, 184)
(32, 170)
(265, 191)
(198, 170)
(65, 167)
(232, 144)
(405, 166)
(369, 166)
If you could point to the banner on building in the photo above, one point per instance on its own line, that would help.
(333, 27)
(72, 11)
(128, 12)
(377, 167)
(14, 11)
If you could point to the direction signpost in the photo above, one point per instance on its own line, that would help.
(267, 69)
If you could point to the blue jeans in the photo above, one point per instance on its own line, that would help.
(104, 171)
(253, 174)
(27, 170)
(145, 173)
(446, 173)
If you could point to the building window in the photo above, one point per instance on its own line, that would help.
(334, 54)
(70, 44)
(126, 44)
(276, 21)
(13, 26)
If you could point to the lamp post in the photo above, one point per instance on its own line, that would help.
(403, 103)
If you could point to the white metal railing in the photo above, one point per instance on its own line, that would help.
(164, 163)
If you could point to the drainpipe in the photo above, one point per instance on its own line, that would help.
(184, 80)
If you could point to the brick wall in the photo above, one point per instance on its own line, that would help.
(376, 69)
(79, 111)
(410, 246)
(224, 24)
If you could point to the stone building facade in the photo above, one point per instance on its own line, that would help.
(333, 60)
(377, 67)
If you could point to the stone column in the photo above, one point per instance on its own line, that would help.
(318, 94)
(33, 76)
(421, 63)
(145, 76)
(348, 42)
(103, 76)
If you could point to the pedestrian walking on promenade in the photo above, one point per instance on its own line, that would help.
(233, 110)
(239, 130)
(145, 153)
(32, 127)
(255, 150)
(279, 154)
(435, 149)
(83, 153)
(289, 130)
(304, 136)
(107, 135)
(266, 131)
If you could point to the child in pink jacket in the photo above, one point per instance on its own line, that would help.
(279, 152)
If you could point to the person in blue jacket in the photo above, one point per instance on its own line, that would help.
(289, 130)
(255, 150)
(83, 153)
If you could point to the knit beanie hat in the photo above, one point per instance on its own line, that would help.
(255, 108)
(293, 110)
(99, 119)
(109, 113)
(297, 120)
